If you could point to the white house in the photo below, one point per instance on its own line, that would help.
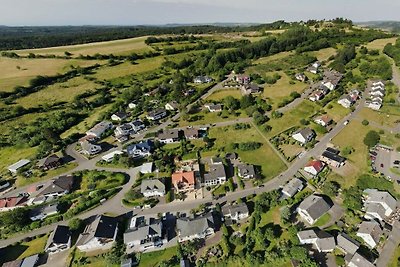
(169, 136)
(345, 101)
(312, 208)
(323, 120)
(43, 212)
(110, 156)
(236, 212)
(199, 227)
(99, 129)
(18, 165)
(378, 204)
(59, 240)
(322, 241)
(156, 115)
(58, 187)
(304, 135)
(359, 261)
(314, 167)
(98, 235)
(173, 105)
(89, 148)
(119, 116)
(152, 188)
(292, 187)
(214, 107)
(370, 232)
(215, 176)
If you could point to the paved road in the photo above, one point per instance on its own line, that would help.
(385, 256)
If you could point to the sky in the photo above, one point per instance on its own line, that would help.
(140, 12)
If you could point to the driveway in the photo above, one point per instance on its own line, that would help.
(57, 259)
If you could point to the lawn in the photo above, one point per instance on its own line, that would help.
(353, 135)
(345, 182)
(282, 88)
(395, 258)
(7, 127)
(59, 92)
(379, 117)
(36, 177)
(324, 54)
(11, 155)
(290, 150)
(271, 216)
(23, 250)
(18, 72)
(205, 117)
(337, 112)
(220, 95)
(265, 60)
(127, 68)
(380, 43)
(153, 259)
(265, 157)
(304, 110)
(324, 219)
(117, 47)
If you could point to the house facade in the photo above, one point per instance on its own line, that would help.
(152, 188)
(312, 208)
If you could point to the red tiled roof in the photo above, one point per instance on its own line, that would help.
(316, 164)
(11, 202)
(183, 177)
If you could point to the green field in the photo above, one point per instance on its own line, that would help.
(24, 249)
(153, 259)
(337, 112)
(380, 43)
(325, 53)
(221, 94)
(265, 157)
(18, 72)
(11, 155)
(117, 47)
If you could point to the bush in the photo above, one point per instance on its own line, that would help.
(365, 122)
(372, 138)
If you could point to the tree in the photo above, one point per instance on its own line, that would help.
(246, 101)
(298, 253)
(371, 139)
(75, 224)
(331, 188)
(365, 122)
(231, 103)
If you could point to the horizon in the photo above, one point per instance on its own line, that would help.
(162, 12)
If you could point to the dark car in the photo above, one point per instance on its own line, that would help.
(382, 165)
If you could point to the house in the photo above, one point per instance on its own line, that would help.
(110, 156)
(346, 101)
(173, 105)
(146, 167)
(124, 129)
(370, 232)
(156, 115)
(331, 157)
(246, 171)
(312, 208)
(119, 116)
(18, 165)
(316, 95)
(43, 212)
(300, 77)
(30, 261)
(59, 240)
(184, 181)
(322, 241)
(214, 108)
(199, 227)
(138, 125)
(169, 136)
(249, 89)
(292, 187)
(242, 79)
(314, 67)
(323, 120)
(141, 149)
(191, 133)
(215, 176)
(359, 261)
(10, 203)
(314, 167)
(4, 185)
(58, 187)
(144, 233)
(51, 162)
(152, 188)
(236, 212)
(374, 104)
(99, 129)
(304, 135)
(347, 244)
(89, 148)
(132, 105)
(98, 235)
(378, 204)
(331, 79)
(202, 79)
(377, 92)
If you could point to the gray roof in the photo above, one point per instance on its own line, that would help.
(316, 206)
(371, 228)
(100, 128)
(216, 171)
(49, 209)
(102, 227)
(360, 261)
(325, 241)
(246, 170)
(307, 234)
(61, 184)
(240, 208)
(152, 184)
(306, 133)
(48, 160)
(293, 186)
(347, 244)
(30, 261)
(332, 76)
(188, 227)
(375, 196)
(19, 164)
(169, 134)
(149, 228)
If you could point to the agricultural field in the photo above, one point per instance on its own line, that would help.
(117, 47)
(324, 54)
(18, 72)
(10, 155)
(270, 163)
(380, 43)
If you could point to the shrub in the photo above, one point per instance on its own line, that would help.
(365, 122)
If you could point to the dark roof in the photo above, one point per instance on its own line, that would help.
(332, 150)
(333, 156)
(61, 234)
(62, 183)
(105, 226)
(49, 160)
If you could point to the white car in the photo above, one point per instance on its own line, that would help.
(346, 122)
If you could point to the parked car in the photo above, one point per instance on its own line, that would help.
(346, 122)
